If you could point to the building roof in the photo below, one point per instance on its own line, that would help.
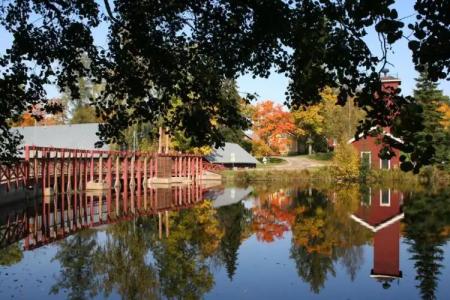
(378, 227)
(231, 153)
(76, 136)
(384, 133)
(228, 196)
(390, 78)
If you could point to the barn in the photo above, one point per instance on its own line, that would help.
(369, 147)
(76, 136)
(232, 155)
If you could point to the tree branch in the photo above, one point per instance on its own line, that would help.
(109, 11)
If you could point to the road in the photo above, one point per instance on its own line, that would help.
(296, 163)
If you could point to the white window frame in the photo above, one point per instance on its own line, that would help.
(389, 198)
(370, 157)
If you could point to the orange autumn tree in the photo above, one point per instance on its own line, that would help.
(272, 127)
(272, 215)
(38, 117)
(26, 120)
(444, 108)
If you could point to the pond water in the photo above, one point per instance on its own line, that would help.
(253, 242)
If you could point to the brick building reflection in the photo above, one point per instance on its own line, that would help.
(381, 212)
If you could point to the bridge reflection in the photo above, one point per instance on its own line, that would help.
(44, 220)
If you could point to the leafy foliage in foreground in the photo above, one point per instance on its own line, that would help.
(158, 50)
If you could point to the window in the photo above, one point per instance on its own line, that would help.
(385, 197)
(366, 159)
(385, 164)
(366, 193)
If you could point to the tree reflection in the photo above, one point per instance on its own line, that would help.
(323, 233)
(122, 260)
(77, 258)
(234, 221)
(11, 255)
(272, 215)
(182, 258)
(427, 218)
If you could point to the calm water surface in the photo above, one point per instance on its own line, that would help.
(256, 242)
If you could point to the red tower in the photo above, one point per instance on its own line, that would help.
(368, 147)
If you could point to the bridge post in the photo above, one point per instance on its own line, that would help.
(100, 168)
(117, 181)
(189, 168)
(75, 173)
(150, 168)
(175, 167)
(92, 167)
(43, 171)
(125, 181)
(69, 184)
(55, 173)
(145, 173)
(63, 173)
(145, 182)
(109, 172)
(80, 159)
(132, 172)
(27, 166)
(139, 180)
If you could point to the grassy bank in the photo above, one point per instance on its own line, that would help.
(324, 175)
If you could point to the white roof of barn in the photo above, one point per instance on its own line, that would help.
(231, 153)
(76, 136)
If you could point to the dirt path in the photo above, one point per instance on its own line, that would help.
(296, 163)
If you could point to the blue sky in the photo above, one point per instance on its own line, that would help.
(274, 87)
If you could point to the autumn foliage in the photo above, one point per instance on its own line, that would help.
(444, 108)
(273, 217)
(272, 127)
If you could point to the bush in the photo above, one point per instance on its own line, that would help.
(346, 162)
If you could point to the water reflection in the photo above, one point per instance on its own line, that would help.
(43, 221)
(427, 230)
(171, 243)
(381, 212)
(323, 234)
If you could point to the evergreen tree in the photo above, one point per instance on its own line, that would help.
(430, 98)
(427, 217)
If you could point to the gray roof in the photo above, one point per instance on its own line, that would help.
(229, 196)
(76, 136)
(231, 153)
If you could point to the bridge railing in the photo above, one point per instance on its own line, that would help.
(73, 168)
(13, 174)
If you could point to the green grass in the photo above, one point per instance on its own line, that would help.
(272, 160)
(321, 156)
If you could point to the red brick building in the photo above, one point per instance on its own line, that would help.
(381, 212)
(369, 147)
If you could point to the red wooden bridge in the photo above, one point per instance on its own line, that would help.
(66, 170)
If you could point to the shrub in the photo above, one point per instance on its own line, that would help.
(346, 162)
